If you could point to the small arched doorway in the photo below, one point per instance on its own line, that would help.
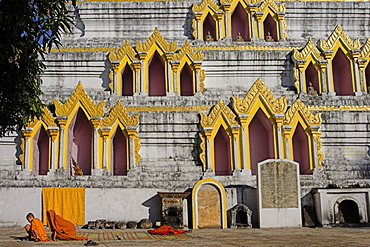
(209, 204)
(348, 212)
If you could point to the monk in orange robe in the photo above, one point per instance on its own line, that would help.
(35, 229)
(61, 228)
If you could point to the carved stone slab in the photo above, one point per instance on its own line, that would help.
(279, 187)
(279, 200)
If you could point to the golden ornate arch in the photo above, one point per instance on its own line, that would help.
(220, 115)
(338, 35)
(187, 50)
(259, 91)
(220, 109)
(204, 5)
(125, 50)
(200, 13)
(278, 10)
(156, 39)
(118, 112)
(299, 107)
(298, 110)
(47, 118)
(79, 96)
(309, 50)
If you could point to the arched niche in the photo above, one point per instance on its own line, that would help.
(127, 81)
(349, 209)
(341, 68)
(301, 151)
(186, 81)
(270, 28)
(119, 153)
(240, 23)
(40, 152)
(209, 204)
(80, 142)
(348, 212)
(312, 77)
(209, 27)
(222, 157)
(261, 139)
(157, 78)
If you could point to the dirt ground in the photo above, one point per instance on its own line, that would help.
(337, 236)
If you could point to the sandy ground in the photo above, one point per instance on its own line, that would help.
(338, 236)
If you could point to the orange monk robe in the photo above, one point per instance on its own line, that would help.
(61, 228)
(36, 225)
(166, 230)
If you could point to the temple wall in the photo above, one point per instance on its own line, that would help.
(108, 21)
(169, 135)
(17, 202)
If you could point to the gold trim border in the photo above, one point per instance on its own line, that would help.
(194, 48)
(168, 108)
(207, 108)
(339, 108)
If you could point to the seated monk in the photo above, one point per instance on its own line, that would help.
(61, 228)
(35, 230)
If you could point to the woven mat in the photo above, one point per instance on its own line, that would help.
(129, 236)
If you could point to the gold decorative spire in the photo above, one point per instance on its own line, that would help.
(204, 5)
(339, 35)
(299, 107)
(79, 96)
(310, 49)
(219, 110)
(125, 50)
(156, 38)
(47, 118)
(118, 112)
(259, 91)
(187, 50)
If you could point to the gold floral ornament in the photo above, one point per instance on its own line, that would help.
(339, 35)
(299, 107)
(156, 38)
(47, 118)
(219, 110)
(118, 112)
(310, 49)
(212, 5)
(187, 50)
(79, 96)
(259, 91)
(365, 51)
(125, 50)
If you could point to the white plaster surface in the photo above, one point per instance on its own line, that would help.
(280, 217)
(122, 204)
(16, 203)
